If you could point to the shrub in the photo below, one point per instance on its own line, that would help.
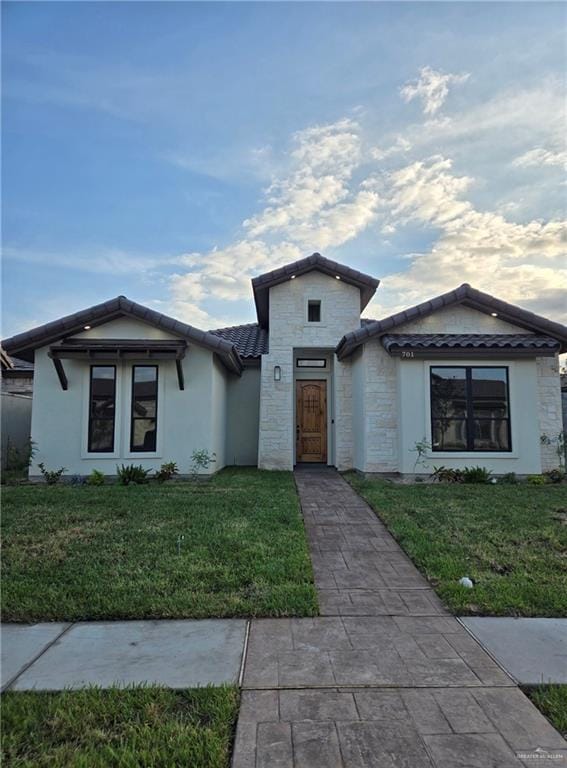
(554, 475)
(536, 480)
(509, 478)
(96, 477)
(447, 475)
(167, 471)
(52, 477)
(132, 474)
(201, 460)
(476, 475)
(77, 480)
(19, 459)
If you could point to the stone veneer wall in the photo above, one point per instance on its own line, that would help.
(549, 408)
(289, 329)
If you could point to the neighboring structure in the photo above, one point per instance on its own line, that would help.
(472, 376)
(564, 400)
(17, 389)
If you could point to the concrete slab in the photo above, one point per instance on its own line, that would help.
(22, 643)
(532, 650)
(176, 654)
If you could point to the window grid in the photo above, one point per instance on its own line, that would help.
(469, 419)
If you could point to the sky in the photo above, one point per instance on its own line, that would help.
(171, 151)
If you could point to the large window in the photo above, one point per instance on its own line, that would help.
(144, 408)
(102, 408)
(470, 409)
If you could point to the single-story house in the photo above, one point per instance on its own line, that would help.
(472, 377)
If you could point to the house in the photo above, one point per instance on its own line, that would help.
(17, 388)
(472, 376)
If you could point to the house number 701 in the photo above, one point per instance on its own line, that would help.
(407, 354)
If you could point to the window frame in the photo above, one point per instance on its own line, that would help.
(110, 450)
(133, 418)
(469, 418)
(319, 305)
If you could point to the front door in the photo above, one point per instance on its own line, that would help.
(311, 421)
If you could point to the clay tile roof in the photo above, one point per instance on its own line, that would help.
(467, 296)
(468, 341)
(250, 340)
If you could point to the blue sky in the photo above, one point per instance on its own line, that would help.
(170, 151)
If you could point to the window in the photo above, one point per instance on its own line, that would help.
(470, 409)
(102, 408)
(303, 362)
(144, 408)
(314, 311)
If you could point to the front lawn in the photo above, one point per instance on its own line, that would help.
(133, 727)
(113, 551)
(510, 539)
(551, 700)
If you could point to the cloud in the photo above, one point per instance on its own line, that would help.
(540, 156)
(523, 263)
(432, 88)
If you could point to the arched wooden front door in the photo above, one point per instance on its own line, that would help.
(311, 421)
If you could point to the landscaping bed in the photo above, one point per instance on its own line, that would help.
(132, 727)
(232, 546)
(511, 540)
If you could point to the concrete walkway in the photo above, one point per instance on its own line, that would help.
(386, 677)
(176, 654)
(532, 650)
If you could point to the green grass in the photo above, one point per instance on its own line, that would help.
(510, 539)
(110, 552)
(127, 728)
(551, 700)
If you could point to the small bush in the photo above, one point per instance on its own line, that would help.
(476, 475)
(201, 460)
(19, 459)
(536, 480)
(52, 477)
(447, 475)
(96, 477)
(132, 474)
(167, 471)
(508, 479)
(555, 475)
(77, 480)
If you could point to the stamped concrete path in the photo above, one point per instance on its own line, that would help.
(385, 677)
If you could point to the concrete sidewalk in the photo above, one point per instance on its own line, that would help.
(176, 654)
(532, 650)
(386, 677)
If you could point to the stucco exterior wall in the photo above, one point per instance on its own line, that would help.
(185, 417)
(549, 409)
(396, 402)
(243, 418)
(415, 420)
(289, 329)
(358, 410)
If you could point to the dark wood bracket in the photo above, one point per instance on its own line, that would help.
(180, 377)
(60, 373)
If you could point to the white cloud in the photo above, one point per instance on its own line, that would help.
(432, 88)
(522, 263)
(540, 156)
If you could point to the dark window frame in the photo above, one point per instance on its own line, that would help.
(89, 437)
(303, 362)
(134, 418)
(469, 417)
(314, 304)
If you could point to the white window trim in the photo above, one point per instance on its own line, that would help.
(514, 420)
(140, 455)
(314, 323)
(86, 391)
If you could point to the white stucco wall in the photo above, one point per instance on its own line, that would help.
(396, 402)
(289, 329)
(415, 419)
(243, 418)
(188, 420)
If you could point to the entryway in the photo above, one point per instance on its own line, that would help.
(311, 421)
